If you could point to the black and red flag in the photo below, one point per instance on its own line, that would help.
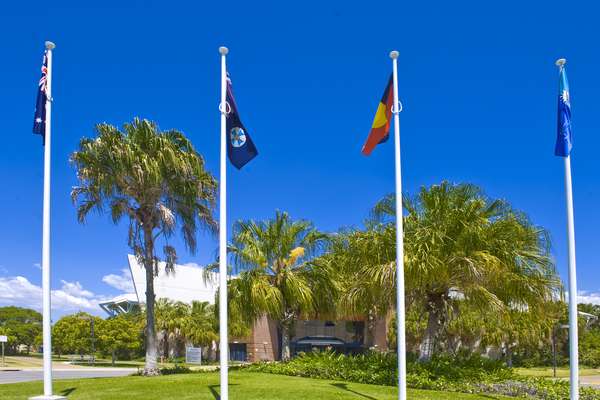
(380, 131)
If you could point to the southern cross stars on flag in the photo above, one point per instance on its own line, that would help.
(39, 119)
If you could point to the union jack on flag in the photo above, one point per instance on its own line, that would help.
(39, 119)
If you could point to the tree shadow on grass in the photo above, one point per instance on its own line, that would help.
(67, 391)
(213, 390)
(345, 387)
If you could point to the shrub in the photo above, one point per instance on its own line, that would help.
(471, 374)
(178, 369)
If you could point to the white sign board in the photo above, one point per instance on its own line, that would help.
(193, 355)
(3, 339)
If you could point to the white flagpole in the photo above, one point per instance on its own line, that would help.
(573, 313)
(223, 335)
(573, 329)
(46, 294)
(47, 332)
(401, 337)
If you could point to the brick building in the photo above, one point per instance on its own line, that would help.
(189, 283)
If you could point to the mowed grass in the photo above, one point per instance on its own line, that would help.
(205, 386)
(561, 372)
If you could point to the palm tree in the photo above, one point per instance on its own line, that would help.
(170, 318)
(158, 182)
(350, 252)
(461, 245)
(199, 326)
(276, 275)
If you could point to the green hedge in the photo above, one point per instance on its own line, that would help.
(472, 374)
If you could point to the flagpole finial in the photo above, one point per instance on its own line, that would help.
(50, 45)
(223, 50)
(561, 62)
(394, 54)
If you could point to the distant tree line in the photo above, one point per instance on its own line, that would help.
(23, 328)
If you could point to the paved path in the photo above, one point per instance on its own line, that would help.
(35, 374)
(592, 380)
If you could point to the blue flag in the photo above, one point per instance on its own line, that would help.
(39, 119)
(564, 133)
(240, 147)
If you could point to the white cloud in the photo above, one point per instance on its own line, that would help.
(122, 282)
(75, 289)
(37, 265)
(192, 264)
(71, 297)
(586, 297)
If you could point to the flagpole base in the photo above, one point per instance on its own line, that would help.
(51, 397)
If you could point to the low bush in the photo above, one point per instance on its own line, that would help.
(473, 374)
(178, 369)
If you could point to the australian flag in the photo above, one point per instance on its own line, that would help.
(39, 119)
(240, 147)
(564, 133)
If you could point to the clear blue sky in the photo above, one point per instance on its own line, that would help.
(477, 81)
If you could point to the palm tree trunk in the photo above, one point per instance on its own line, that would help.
(285, 342)
(151, 340)
(166, 345)
(370, 329)
(509, 356)
(426, 348)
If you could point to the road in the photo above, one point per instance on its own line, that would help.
(25, 375)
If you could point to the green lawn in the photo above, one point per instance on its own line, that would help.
(205, 386)
(561, 372)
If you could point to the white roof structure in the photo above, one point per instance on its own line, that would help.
(120, 304)
(185, 284)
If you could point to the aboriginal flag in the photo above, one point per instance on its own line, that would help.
(381, 124)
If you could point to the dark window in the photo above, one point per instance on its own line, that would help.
(238, 352)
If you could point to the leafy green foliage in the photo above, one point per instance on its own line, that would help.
(119, 337)
(73, 334)
(381, 369)
(459, 247)
(589, 348)
(181, 323)
(158, 182)
(22, 326)
(276, 275)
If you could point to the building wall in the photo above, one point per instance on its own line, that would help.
(380, 335)
(345, 330)
(184, 283)
(263, 344)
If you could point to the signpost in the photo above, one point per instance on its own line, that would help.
(193, 355)
(3, 339)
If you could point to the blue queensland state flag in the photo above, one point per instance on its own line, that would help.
(240, 147)
(39, 119)
(564, 133)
